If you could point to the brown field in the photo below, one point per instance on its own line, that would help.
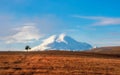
(59, 63)
(107, 50)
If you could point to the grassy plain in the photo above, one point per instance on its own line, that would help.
(59, 63)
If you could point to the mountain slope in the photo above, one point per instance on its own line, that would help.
(61, 42)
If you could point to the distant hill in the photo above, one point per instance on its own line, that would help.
(107, 50)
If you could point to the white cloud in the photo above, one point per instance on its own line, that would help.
(101, 21)
(24, 34)
(46, 23)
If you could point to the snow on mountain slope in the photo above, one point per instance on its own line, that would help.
(61, 42)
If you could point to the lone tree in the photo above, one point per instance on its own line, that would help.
(27, 48)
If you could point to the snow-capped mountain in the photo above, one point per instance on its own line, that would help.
(61, 42)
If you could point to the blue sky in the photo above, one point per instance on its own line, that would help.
(25, 22)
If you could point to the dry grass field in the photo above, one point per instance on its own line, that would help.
(107, 50)
(59, 63)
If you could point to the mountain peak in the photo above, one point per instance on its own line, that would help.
(62, 35)
(62, 42)
(61, 38)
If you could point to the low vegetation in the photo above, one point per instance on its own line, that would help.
(58, 63)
